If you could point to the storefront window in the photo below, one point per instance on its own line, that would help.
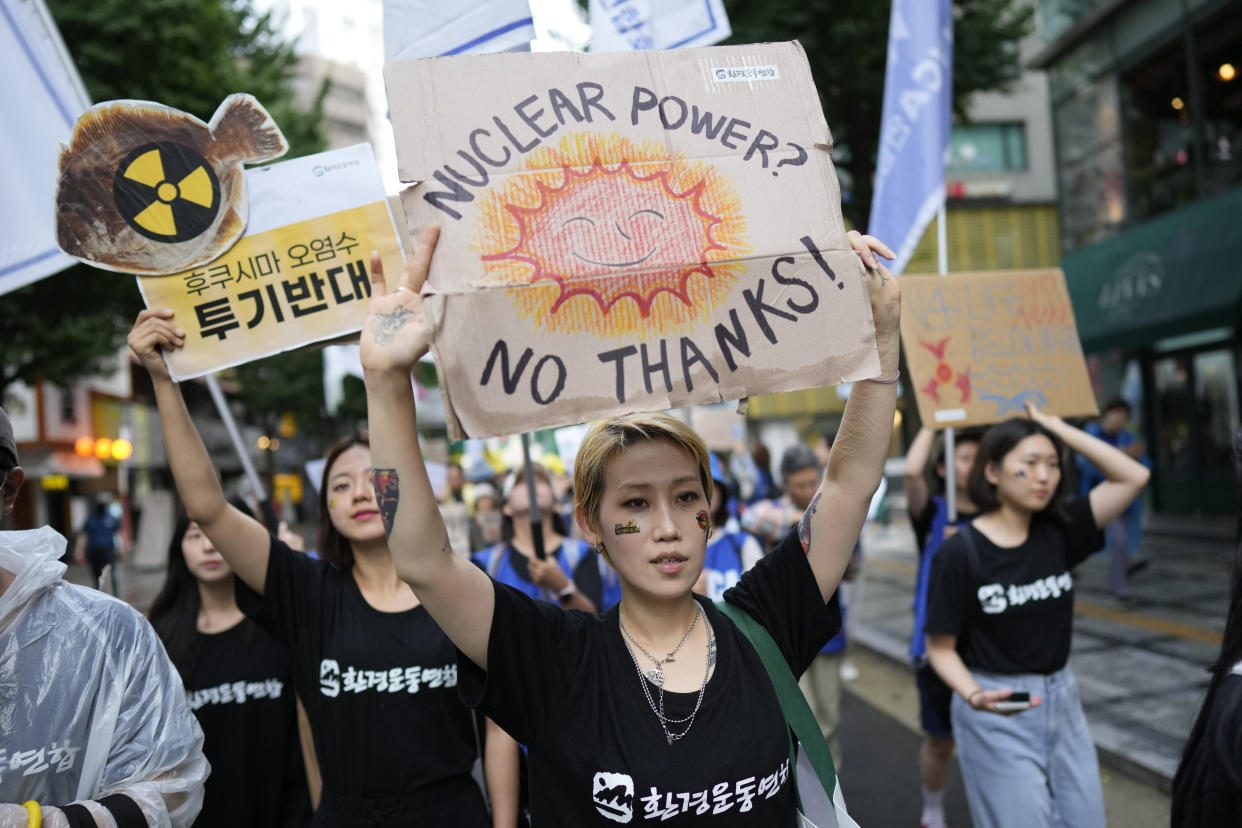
(1220, 62)
(1057, 16)
(1156, 107)
(1196, 409)
(1092, 172)
(1216, 398)
(987, 148)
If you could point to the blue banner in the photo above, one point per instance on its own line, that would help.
(914, 132)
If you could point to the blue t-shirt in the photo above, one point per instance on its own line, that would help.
(577, 559)
(99, 531)
(935, 537)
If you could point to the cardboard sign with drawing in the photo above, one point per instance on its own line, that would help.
(979, 345)
(627, 231)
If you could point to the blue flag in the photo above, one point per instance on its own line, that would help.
(914, 132)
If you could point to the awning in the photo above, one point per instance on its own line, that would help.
(41, 463)
(1175, 274)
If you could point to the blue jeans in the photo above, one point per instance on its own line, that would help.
(1034, 769)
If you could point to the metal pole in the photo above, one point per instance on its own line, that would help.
(950, 468)
(227, 417)
(536, 518)
(942, 242)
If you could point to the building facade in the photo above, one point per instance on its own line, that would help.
(1001, 213)
(1147, 113)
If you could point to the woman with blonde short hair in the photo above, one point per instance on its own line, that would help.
(658, 708)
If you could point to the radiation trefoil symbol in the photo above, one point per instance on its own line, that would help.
(166, 191)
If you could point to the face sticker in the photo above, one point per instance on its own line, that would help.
(629, 528)
(1020, 473)
(332, 503)
(704, 522)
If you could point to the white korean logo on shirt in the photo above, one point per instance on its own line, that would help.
(333, 680)
(614, 796)
(996, 598)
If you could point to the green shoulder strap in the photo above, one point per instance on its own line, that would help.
(797, 712)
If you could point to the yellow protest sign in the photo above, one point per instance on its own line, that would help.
(980, 345)
(285, 286)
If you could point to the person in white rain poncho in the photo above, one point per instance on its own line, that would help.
(94, 725)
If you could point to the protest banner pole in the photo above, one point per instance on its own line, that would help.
(914, 141)
(950, 468)
(227, 417)
(536, 517)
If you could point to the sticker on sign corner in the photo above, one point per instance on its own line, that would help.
(734, 74)
(950, 415)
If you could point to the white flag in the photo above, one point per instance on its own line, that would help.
(621, 25)
(434, 28)
(40, 99)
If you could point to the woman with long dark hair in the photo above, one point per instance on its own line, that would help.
(377, 676)
(1000, 617)
(240, 686)
(1207, 789)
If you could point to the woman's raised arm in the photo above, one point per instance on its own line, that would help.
(458, 594)
(1124, 477)
(241, 539)
(830, 527)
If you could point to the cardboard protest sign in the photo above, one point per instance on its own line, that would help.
(979, 345)
(145, 188)
(627, 231)
(301, 274)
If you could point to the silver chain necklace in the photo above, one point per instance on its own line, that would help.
(656, 676)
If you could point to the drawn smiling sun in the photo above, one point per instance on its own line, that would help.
(614, 237)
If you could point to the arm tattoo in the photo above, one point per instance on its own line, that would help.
(387, 493)
(385, 326)
(804, 525)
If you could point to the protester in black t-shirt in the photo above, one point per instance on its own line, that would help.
(377, 677)
(1207, 788)
(658, 708)
(1000, 617)
(929, 515)
(239, 684)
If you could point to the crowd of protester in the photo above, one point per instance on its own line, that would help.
(575, 654)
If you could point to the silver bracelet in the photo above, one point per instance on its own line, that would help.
(895, 377)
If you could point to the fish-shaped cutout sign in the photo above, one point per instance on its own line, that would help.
(149, 189)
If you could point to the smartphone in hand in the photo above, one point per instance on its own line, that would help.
(1017, 701)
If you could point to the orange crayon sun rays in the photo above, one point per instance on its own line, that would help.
(606, 235)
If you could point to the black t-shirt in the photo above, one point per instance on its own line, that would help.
(379, 687)
(1016, 613)
(1207, 791)
(564, 684)
(241, 690)
(922, 522)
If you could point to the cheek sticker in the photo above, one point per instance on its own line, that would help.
(332, 503)
(1020, 473)
(625, 528)
(702, 518)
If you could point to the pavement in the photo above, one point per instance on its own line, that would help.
(1141, 666)
(879, 773)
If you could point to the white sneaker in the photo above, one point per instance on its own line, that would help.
(848, 671)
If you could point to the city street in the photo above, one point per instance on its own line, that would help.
(1115, 650)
